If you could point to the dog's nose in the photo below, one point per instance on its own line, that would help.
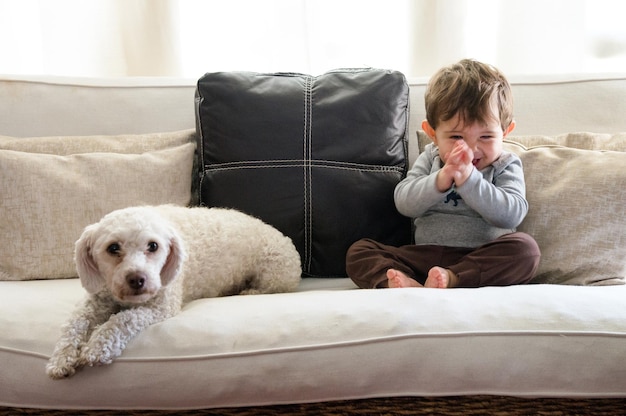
(136, 280)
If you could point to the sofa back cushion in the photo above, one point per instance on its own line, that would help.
(52, 187)
(574, 187)
(316, 157)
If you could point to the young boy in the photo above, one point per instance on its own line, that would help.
(466, 194)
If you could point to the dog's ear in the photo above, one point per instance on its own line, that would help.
(174, 261)
(90, 276)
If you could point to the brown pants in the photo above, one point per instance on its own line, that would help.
(509, 260)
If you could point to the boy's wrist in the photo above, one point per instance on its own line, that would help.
(444, 182)
(462, 176)
(468, 178)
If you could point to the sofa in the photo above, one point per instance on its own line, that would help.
(71, 148)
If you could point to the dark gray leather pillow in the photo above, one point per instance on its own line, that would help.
(316, 157)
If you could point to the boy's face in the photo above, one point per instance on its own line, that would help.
(485, 140)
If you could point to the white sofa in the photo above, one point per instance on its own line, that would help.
(329, 340)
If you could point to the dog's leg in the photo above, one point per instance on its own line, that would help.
(109, 340)
(65, 359)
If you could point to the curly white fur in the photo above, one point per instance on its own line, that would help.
(139, 266)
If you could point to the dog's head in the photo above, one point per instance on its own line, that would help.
(132, 252)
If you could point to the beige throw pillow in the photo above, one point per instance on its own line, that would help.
(53, 187)
(576, 214)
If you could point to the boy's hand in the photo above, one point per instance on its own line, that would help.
(457, 168)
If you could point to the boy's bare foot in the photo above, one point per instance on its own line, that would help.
(396, 279)
(440, 278)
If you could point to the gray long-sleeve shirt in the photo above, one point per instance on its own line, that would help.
(489, 204)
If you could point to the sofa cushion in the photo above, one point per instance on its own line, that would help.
(52, 187)
(325, 342)
(576, 199)
(316, 157)
(575, 205)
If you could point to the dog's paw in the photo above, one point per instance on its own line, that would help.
(64, 360)
(95, 354)
(92, 359)
(60, 367)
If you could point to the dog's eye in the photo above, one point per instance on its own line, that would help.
(152, 246)
(114, 249)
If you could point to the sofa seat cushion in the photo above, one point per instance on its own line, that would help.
(316, 157)
(52, 187)
(327, 342)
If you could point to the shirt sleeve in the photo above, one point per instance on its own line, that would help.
(417, 193)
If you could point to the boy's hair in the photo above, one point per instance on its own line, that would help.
(473, 90)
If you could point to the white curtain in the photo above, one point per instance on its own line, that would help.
(186, 38)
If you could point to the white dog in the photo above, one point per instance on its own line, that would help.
(141, 264)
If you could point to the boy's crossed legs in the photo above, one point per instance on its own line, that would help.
(510, 259)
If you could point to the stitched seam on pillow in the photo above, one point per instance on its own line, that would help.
(273, 164)
(308, 217)
(200, 140)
